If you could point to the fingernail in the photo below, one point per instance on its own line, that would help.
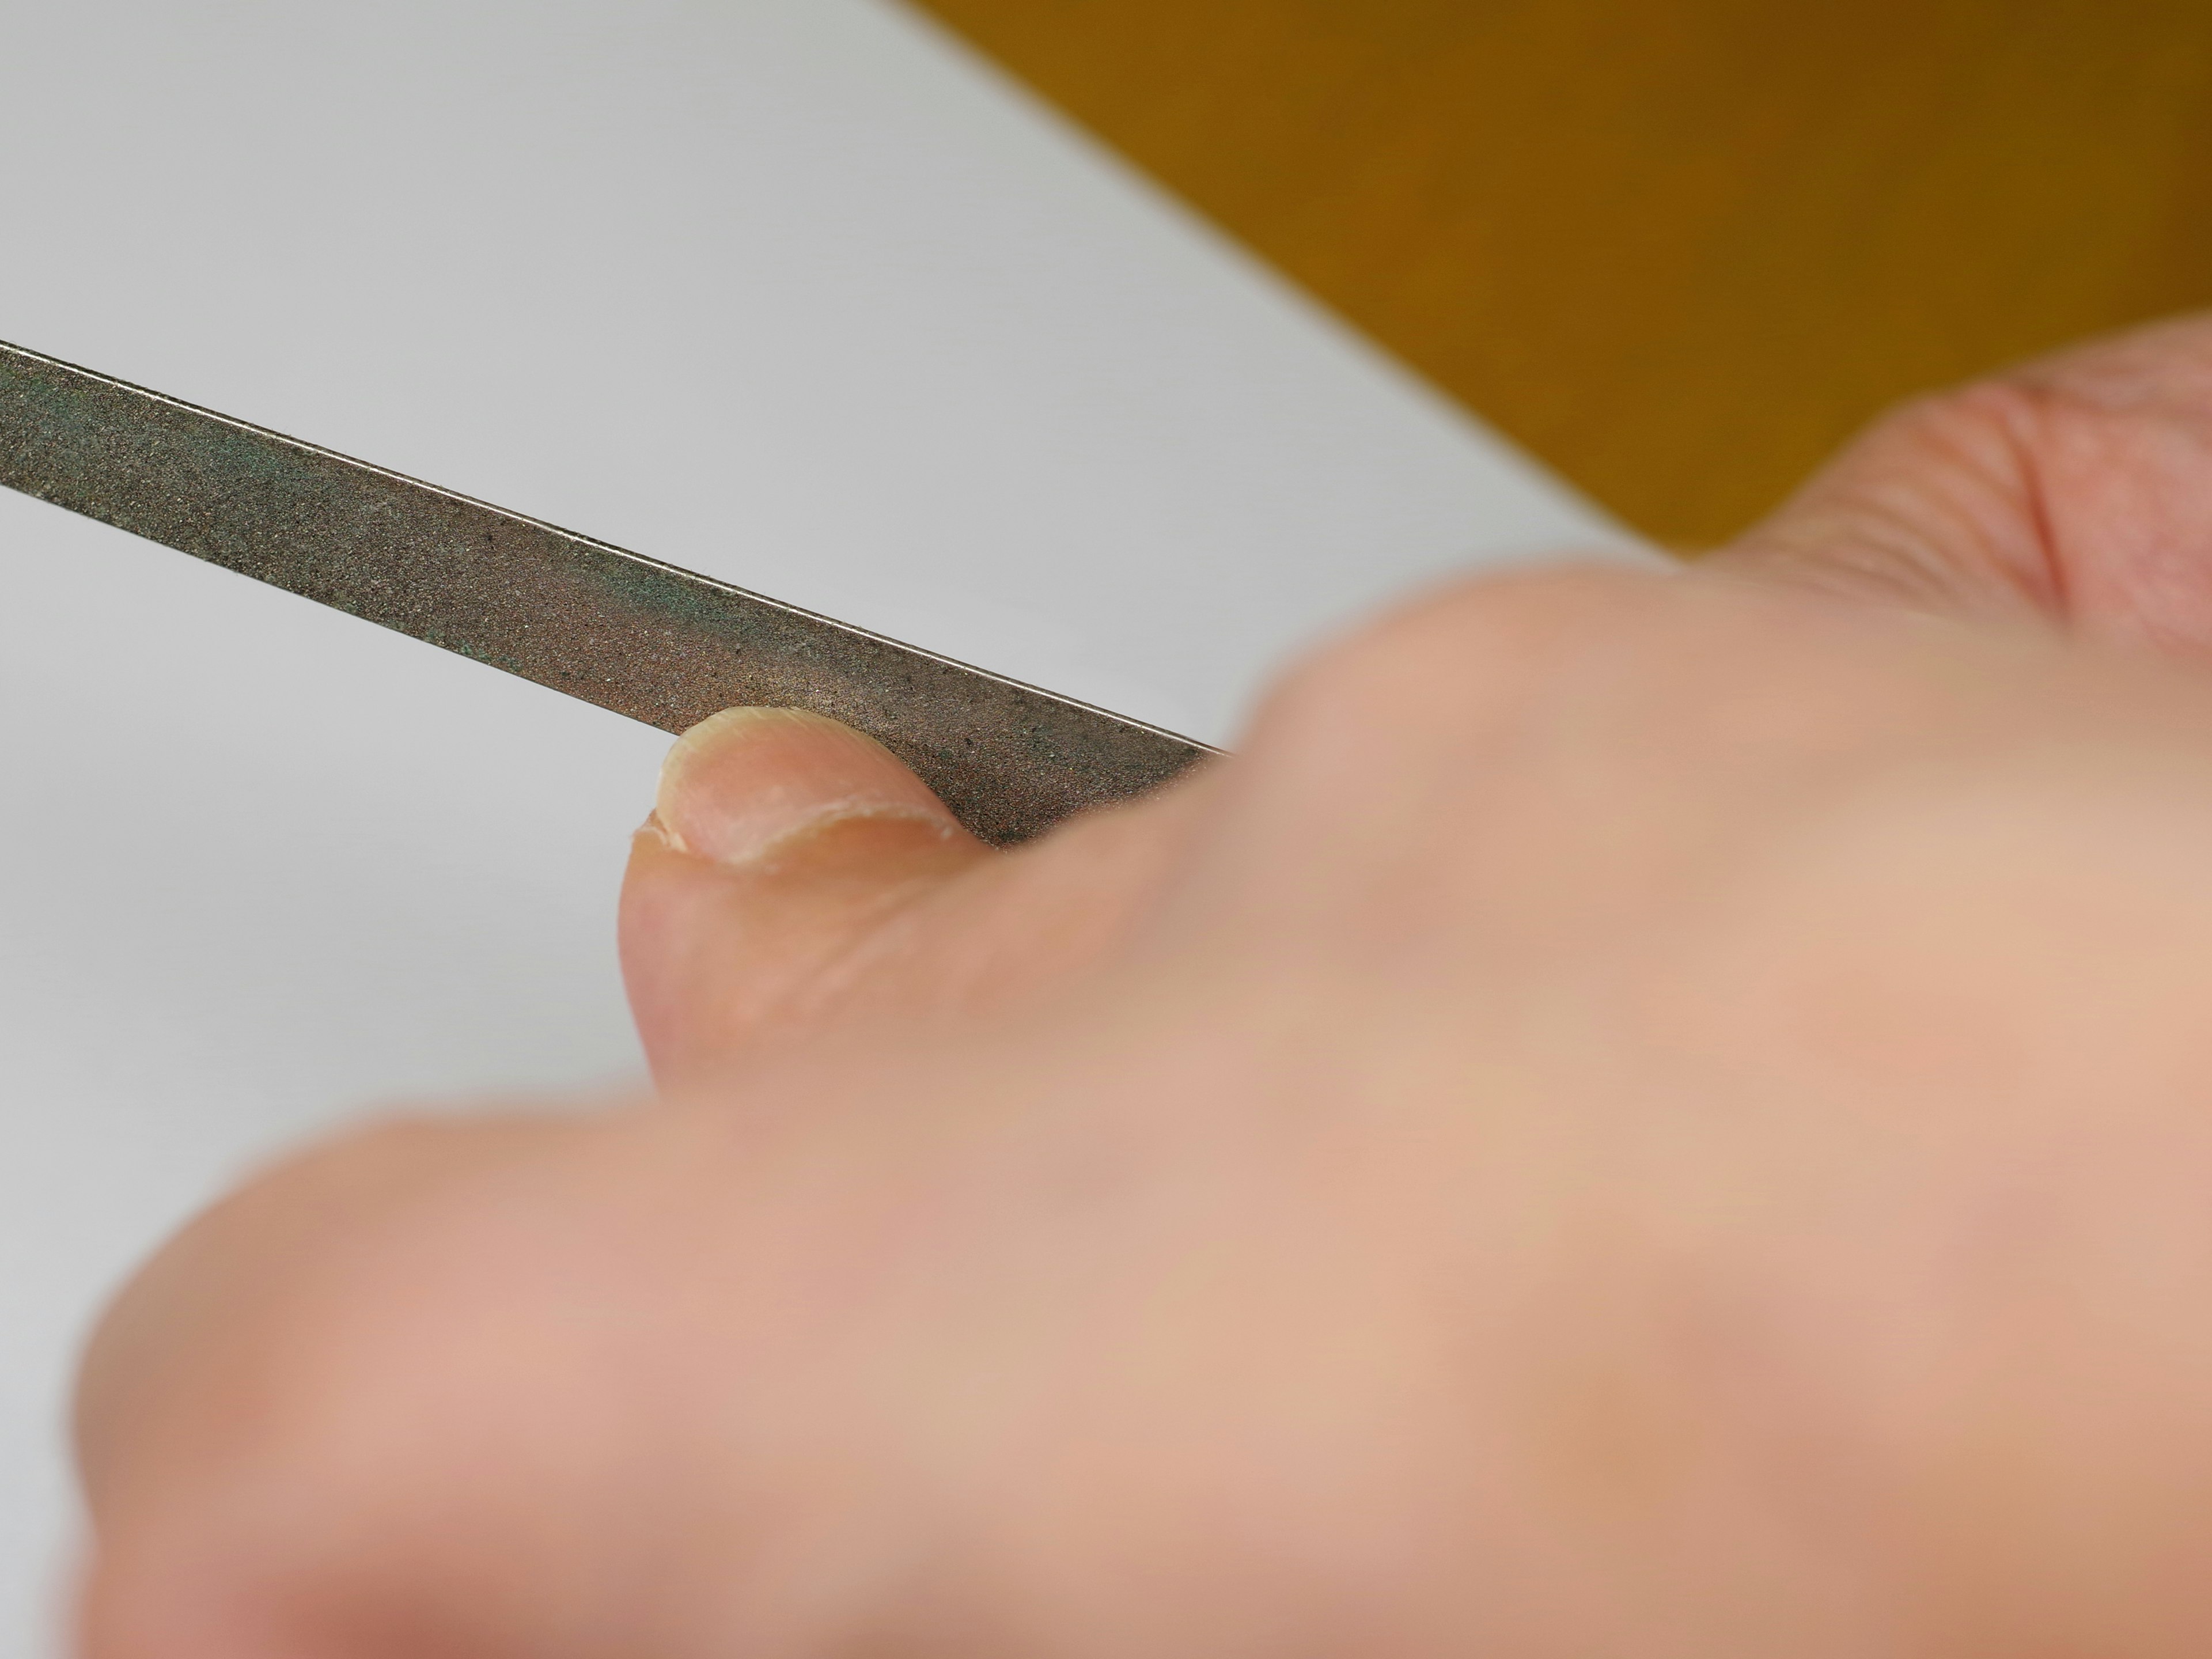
(743, 782)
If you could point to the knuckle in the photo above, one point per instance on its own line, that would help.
(1468, 653)
(330, 1300)
(393, 1331)
(1983, 429)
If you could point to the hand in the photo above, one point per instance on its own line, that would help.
(1638, 1115)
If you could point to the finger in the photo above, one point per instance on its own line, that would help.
(283, 1424)
(778, 839)
(2076, 489)
(794, 872)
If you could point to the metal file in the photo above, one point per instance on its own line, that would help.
(645, 639)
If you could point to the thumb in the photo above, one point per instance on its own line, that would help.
(2078, 488)
(779, 843)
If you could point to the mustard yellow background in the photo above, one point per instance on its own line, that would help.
(1679, 248)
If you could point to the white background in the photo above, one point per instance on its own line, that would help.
(791, 291)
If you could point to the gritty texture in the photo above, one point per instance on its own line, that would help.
(645, 639)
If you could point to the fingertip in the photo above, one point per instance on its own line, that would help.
(778, 839)
(745, 784)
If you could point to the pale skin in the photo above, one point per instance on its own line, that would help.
(1638, 1115)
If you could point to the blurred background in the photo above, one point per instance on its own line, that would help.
(1680, 249)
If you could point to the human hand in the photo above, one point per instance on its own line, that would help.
(1637, 1116)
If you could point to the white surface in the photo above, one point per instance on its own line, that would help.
(791, 291)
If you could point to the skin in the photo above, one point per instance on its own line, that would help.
(1637, 1116)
